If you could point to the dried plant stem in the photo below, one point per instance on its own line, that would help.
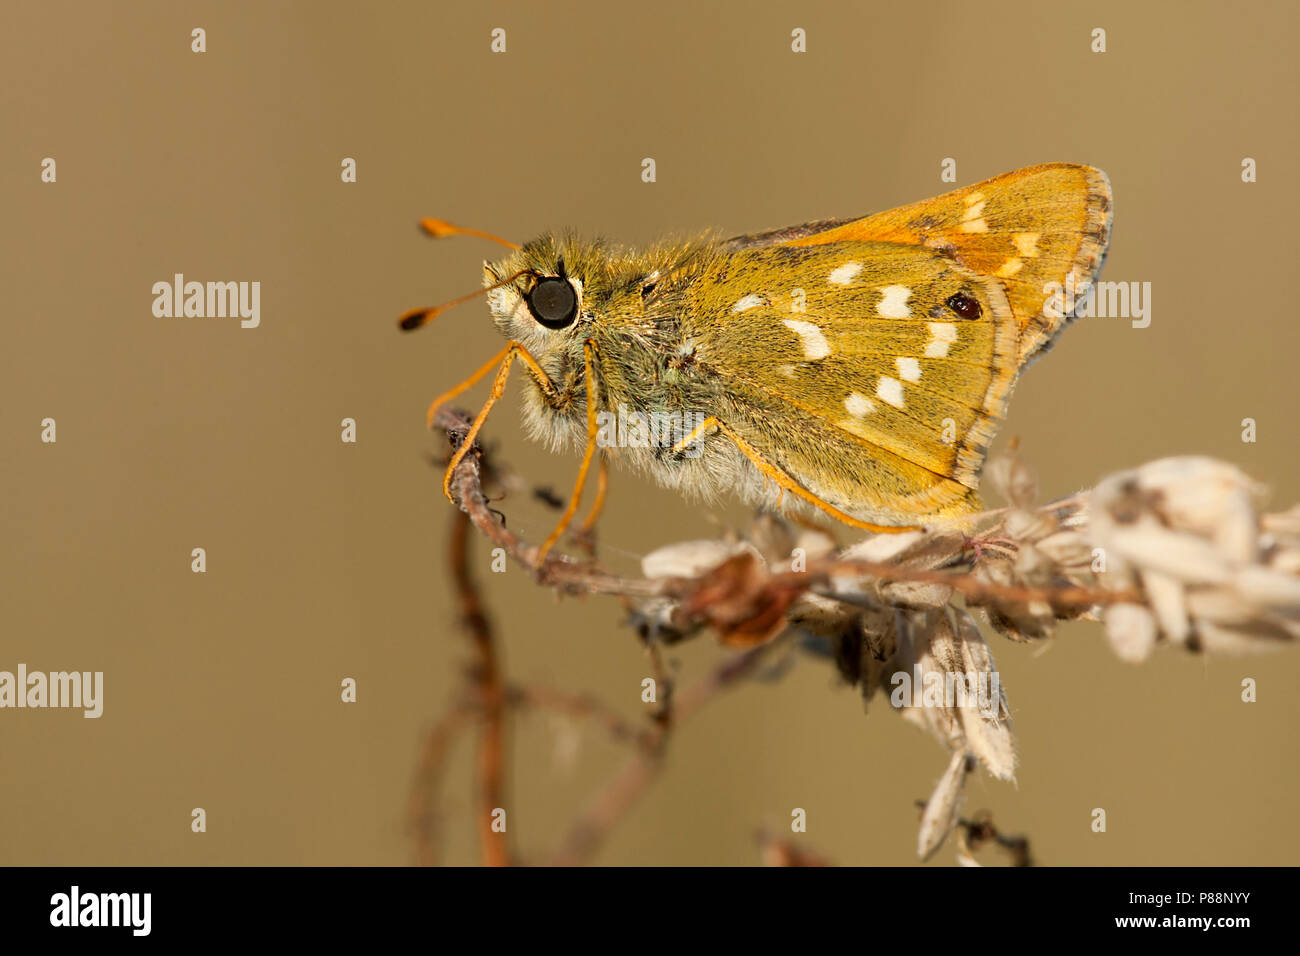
(630, 782)
(970, 587)
(782, 852)
(424, 822)
(563, 573)
(491, 699)
(973, 834)
(578, 706)
(556, 570)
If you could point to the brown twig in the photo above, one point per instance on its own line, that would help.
(565, 574)
(422, 812)
(558, 571)
(579, 706)
(974, 834)
(779, 852)
(970, 587)
(490, 690)
(977, 832)
(665, 683)
(612, 803)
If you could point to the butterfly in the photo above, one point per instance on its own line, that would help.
(856, 367)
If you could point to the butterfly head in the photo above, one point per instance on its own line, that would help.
(548, 293)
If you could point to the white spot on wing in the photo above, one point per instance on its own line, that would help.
(815, 345)
(1009, 268)
(859, 405)
(751, 301)
(893, 304)
(909, 369)
(890, 390)
(972, 220)
(942, 335)
(1026, 243)
(843, 275)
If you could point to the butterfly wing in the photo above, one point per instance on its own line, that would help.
(874, 375)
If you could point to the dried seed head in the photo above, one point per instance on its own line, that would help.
(1012, 479)
(940, 814)
(1187, 531)
(687, 559)
(1132, 631)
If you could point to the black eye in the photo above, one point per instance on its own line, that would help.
(553, 302)
(964, 305)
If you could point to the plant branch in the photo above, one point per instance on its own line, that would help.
(490, 689)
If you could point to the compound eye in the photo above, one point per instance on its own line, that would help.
(553, 302)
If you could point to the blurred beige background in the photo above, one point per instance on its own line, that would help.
(326, 560)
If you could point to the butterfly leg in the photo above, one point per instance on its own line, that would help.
(602, 486)
(780, 478)
(588, 353)
(502, 361)
(503, 357)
